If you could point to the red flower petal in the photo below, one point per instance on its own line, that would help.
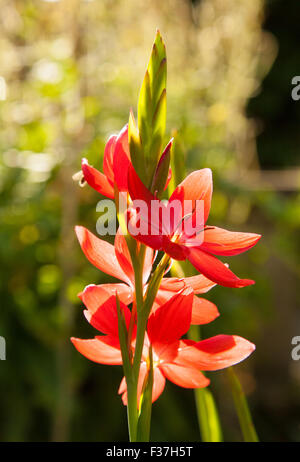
(158, 384)
(100, 253)
(172, 284)
(214, 353)
(203, 311)
(121, 161)
(108, 159)
(97, 180)
(123, 255)
(176, 251)
(105, 318)
(215, 270)
(186, 377)
(166, 352)
(137, 189)
(140, 229)
(169, 177)
(222, 242)
(124, 258)
(146, 223)
(148, 262)
(172, 319)
(100, 350)
(196, 186)
(94, 296)
(200, 284)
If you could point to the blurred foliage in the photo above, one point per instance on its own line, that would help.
(72, 70)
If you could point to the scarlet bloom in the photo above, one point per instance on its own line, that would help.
(115, 261)
(201, 246)
(116, 161)
(179, 361)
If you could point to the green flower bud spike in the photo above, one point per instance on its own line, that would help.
(146, 138)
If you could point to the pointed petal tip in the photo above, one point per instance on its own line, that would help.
(77, 229)
(244, 283)
(80, 231)
(87, 315)
(252, 347)
(205, 170)
(186, 291)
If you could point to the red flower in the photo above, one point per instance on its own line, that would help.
(115, 261)
(201, 246)
(116, 161)
(177, 360)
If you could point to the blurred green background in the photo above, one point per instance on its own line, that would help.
(70, 70)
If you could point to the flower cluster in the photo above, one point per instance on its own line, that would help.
(175, 305)
(144, 317)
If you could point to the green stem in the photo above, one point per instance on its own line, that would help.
(207, 413)
(143, 305)
(142, 315)
(154, 283)
(132, 376)
(132, 410)
(242, 409)
(127, 367)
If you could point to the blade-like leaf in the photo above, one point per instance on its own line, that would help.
(123, 339)
(242, 409)
(136, 149)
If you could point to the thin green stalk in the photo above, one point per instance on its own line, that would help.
(242, 408)
(143, 314)
(208, 418)
(131, 376)
(143, 309)
(132, 415)
(139, 343)
(207, 413)
(154, 283)
(132, 410)
(138, 265)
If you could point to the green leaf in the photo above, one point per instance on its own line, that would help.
(207, 412)
(208, 417)
(242, 409)
(136, 149)
(122, 329)
(177, 162)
